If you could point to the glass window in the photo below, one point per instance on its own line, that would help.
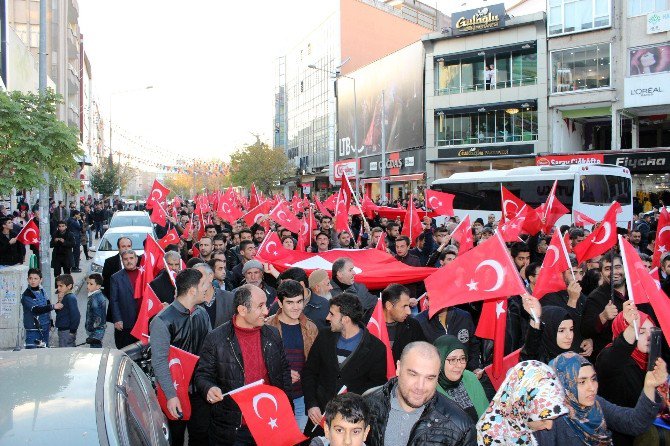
(582, 68)
(604, 189)
(108, 242)
(502, 76)
(569, 16)
(641, 7)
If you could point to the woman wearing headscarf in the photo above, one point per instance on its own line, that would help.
(590, 416)
(622, 365)
(553, 336)
(529, 400)
(457, 383)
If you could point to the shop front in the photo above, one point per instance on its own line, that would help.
(405, 174)
(473, 159)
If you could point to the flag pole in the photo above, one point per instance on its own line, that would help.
(565, 253)
(629, 286)
(245, 387)
(339, 392)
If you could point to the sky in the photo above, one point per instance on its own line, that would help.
(210, 63)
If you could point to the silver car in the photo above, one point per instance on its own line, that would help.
(107, 246)
(130, 218)
(77, 396)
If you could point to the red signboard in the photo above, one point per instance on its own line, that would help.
(560, 160)
(347, 167)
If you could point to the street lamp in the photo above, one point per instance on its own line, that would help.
(336, 75)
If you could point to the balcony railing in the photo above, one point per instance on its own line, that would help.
(500, 138)
(521, 82)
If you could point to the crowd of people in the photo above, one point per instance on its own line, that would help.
(583, 375)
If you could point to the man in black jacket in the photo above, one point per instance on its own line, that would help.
(113, 265)
(163, 285)
(62, 243)
(409, 411)
(401, 328)
(343, 281)
(344, 354)
(239, 352)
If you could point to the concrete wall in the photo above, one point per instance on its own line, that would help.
(12, 284)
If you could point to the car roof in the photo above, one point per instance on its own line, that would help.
(129, 230)
(50, 395)
(131, 213)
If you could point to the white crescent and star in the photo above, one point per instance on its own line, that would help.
(499, 308)
(430, 202)
(25, 235)
(267, 247)
(374, 322)
(225, 208)
(500, 273)
(553, 249)
(261, 396)
(607, 229)
(516, 206)
(660, 233)
(279, 215)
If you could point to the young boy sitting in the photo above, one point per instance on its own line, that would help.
(68, 317)
(347, 422)
(37, 311)
(96, 311)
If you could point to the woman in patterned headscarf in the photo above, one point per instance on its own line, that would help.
(590, 415)
(528, 400)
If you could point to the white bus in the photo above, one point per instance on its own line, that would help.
(589, 189)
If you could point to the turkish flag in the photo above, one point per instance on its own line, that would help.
(440, 202)
(342, 211)
(176, 202)
(412, 226)
(227, 209)
(307, 225)
(171, 238)
(187, 230)
(567, 242)
(550, 275)
(508, 362)
(553, 209)
(158, 194)
(321, 207)
(181, 364)
(375, 269)
(662, 243)
(269, 416)
(29, 234)
(253, 197)
(492, 325)
(635, 270)
(510, 229)
(256, 213)
(602, 239)
(284, 217)
(369, 207)
(511, 204)
(582, 219)
(485, 272)
(381, 244)
(533, 223)
(149, 308)
(377, 328)
(331, 202)
(151, 263)
(462, 234)
(158, 214)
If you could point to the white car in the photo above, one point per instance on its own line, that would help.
(130, 218)
(107, 246)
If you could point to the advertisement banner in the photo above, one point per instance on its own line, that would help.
(643, 91)
(480, 19)
(658, 22)
(641, 162)
(485, 151)
(559, 160)
(399, 76)
(649, 60)
(347, 167)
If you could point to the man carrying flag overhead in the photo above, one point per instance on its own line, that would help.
(601, 239)
(184, 324)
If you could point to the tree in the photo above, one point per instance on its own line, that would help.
(259, 164)
(179, 184)
(105, 178)
(33, 140)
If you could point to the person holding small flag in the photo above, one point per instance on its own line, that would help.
(9, 249)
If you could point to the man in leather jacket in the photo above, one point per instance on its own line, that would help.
(239, 352)
(408, 411)
(183, 324)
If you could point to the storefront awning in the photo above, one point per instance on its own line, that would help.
(395, 178)
(586, 112)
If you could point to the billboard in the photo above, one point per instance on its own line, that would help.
(649, 60)
(562, 160)
(478, 20)
(399, 78)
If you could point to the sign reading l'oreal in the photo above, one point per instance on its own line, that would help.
(642, 91)
(480, 19)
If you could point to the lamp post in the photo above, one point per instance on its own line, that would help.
(336, 75)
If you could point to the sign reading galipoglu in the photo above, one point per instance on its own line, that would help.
(480, 19)
(642, 91)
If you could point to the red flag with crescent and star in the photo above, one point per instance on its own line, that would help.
(662, 243)
(462, 234)
(377, 328)
(485, 272)
(256, 213)
(30, 234)
(440, 202)
(321, 207)
(492, 325)
(181, 364)
(283, 216)
(187, 230)
(602, 239)
(381, 243)
(227, 209)
(550, 275)
(149, 308)
(171, 238)
(150, 264)
(511, 204)
(269, 415)
(510, 229)
(581, 219)
(158, 214)
(553, 209)
(411, 226)
(342, 208)
(158, 194)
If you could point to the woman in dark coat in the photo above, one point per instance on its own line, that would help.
(553, 336)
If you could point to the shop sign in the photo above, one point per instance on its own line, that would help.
(487, 151)
(643, 91)
(347, 167)
(641, 162)
(396, 163)
(658, 22)
(409, 161)
(480, 19)
(306, 188)
(562, 160)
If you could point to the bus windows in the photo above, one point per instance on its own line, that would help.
(604, 189)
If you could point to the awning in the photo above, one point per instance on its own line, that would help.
(396, 178)
(586, 112)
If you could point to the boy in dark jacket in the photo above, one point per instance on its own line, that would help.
(68, 317)
(37, 311)
(96, 311)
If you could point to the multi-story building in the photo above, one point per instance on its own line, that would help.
(486, 91)
(354, 34)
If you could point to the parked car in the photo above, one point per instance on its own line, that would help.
(130, 218)
(77, 396)
(107, 246)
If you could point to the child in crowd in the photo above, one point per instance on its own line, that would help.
(37, 311)
(96, 311)
(347, 422)
(68, 317)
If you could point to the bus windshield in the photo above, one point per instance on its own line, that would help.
(604, 189)
(485, 196)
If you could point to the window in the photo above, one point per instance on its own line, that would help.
(604, 189)
(487, 125)
(641, 7)
(571, 16)
(583, 68)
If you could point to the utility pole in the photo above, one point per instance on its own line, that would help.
(45, 230)
(383, 180)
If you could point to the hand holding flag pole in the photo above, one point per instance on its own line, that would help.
(342, 390)
(629, 283)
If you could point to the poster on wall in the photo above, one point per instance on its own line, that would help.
(649, 60)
